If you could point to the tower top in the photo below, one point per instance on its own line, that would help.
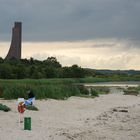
(15, 48)
(18, 24)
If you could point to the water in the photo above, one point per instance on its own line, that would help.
(112, 84)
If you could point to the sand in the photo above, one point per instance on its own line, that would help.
(77, 118)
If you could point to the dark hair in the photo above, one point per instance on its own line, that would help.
(31, 94)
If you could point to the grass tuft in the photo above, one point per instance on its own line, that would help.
(4, 108)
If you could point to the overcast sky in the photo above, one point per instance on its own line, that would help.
(91, 33)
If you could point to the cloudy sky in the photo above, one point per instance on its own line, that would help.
(101, 34)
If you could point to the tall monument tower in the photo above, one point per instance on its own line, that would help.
(15, 48)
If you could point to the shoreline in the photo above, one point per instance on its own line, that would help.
(112, 84)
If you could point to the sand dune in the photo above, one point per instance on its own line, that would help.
(77, 118)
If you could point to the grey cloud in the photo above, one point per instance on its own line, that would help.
(104, 45)
(67, 20)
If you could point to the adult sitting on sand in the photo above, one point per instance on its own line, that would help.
(31, 98)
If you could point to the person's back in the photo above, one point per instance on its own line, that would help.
(31, 98)
(31, 94)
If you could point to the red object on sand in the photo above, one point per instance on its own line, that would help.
(21, 107)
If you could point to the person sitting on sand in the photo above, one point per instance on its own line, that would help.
(31, 98)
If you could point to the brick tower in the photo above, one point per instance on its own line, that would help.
(15, 48)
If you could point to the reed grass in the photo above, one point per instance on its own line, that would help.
(57, 88)
(15, 89)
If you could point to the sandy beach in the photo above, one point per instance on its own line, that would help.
(108, 117)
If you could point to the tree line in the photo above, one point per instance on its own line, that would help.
(36, 69)
(51, 68)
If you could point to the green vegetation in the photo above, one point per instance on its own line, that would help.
(55, 91)
(35, 69)
(132, 91)
(99, 90)
(32, 107)
(52, 88)
(4, 108)
(51, 68)
(48, 79)
(93, 91)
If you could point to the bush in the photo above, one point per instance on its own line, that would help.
(131, 92)
(83, 90)
(4, 108)
(94, 92)
(99, 90)
(102, 90)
